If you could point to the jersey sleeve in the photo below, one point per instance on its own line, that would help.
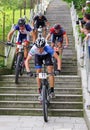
(52, 30)
(32, 51)
(63, 31)
(45, 19)
(35, 18)
(49, 50)
(28, 28)
(16, 27)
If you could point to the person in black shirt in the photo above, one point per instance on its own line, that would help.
(39, 21)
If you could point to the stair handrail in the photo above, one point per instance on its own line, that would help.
(81, 47)
(10, 51)
(87, 64)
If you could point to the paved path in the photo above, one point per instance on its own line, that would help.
(37, 123)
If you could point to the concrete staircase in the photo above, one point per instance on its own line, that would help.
(22, 99)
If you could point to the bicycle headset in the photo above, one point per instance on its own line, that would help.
(40, 42)
(21, 22)
(57, 26)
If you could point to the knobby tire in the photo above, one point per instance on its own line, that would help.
(18, 67)
(44, 103)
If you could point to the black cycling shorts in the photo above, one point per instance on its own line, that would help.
(39, 60)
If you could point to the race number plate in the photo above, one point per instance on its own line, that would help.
(42, 75)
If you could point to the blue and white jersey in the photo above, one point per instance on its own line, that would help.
(47, 49)
(25, 31)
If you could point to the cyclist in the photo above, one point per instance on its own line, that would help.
(39, 20)
(22, 36)
(42, 51)
(57, 32)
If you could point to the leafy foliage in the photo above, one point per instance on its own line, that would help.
(78, 3)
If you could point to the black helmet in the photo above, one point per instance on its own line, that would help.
(57, 26)
(40, 42)
(21, 22)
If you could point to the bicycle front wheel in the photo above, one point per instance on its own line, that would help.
(45, 103)
(18, 67)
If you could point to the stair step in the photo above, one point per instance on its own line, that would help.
(22, 98)
(38, 112)
(31, 97)
(37, 104)
(33, 89)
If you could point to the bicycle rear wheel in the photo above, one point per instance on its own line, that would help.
(18, 67)
(45, 103)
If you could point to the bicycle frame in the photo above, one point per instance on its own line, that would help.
(19, 68)
(40, 31)
(45, 93)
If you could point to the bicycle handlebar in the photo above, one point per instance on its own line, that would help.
(9, 44)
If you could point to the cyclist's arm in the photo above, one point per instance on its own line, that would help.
(27, 63)
(48, 36)
(10, 35)
(29, 57)
(66, 38)
(33, 22)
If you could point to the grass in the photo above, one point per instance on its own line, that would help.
(5, 26)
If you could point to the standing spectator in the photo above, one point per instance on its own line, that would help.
(86, 9)
(87, 33)
(86, 19)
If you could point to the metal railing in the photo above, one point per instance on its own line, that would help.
(10, 51)
(81, 47)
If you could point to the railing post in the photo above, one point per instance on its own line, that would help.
(13, 16)
(3, 26)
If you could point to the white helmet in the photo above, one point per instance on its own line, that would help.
(39, 14)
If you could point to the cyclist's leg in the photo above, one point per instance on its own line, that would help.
(60, 49)
(53, 38)
(44, 31)
(18, 41)
(51, 77)
(49, 63)
(34, 35)
(38, 66)
(26, 43)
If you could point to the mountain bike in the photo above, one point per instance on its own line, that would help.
(45, 91)
(19, 61)
(19, 65)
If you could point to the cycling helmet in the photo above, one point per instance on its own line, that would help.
(39, 14)
(40, 42)
(57, 26)
(21, 22)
